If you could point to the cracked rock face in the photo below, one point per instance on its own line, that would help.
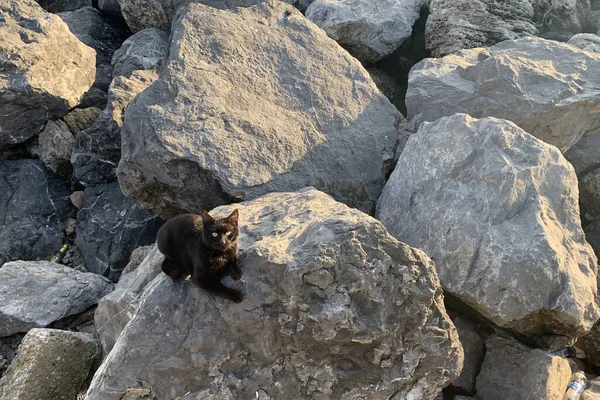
(109, 227)
(272, 116)
(33, 294)
(497, 210)
(141, 51)
(335, 308)
(33, 204)
(37, 82)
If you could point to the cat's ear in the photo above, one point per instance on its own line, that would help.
(207, 219)
(234, 217)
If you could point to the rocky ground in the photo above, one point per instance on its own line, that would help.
(418, 183)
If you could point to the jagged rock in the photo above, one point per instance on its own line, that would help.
(98, 149)
(592, 235)
(56, 6)
(95, 97)
(454, 25)
(589, 193)
(272, 116)
(109, 227)
(116, 309)
(370, 30)
(36, 293)
(34, 203)
(513, 371)
(585, 155)
(136, 258)
(92, 29)
(561, 19)
(143, 50)
(586, 41)
(497, 210)
(38, 83)
(592, 345)
(529, 81)
(56, 146)
(51, 364)
(81, 118)
(335, 308)
(474, 352)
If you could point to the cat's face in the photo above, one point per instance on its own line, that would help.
(220, 234)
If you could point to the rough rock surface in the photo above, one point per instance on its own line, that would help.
(266, 115)
(109, 227)
(541, 85)
(586, 41)
(34, 202)
(592, 235)
(117, 308)
(143, 50)
(335, 308)
(81, 118)
(514, 371)
(585, 155)
(561, 19)
(592, 391)
(474, 352)
(37, 82)
(98, 149)
(91, 28)
(34, 294)
(589, 193)
(56, 6)
(454, 25)
(370, 30)
(497, 210)
(51, 364)
(56, 145)
(592, 345)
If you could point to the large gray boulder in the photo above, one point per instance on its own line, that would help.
(51, 365)
(455, 25)
(513, 371)
(143, 50)
(109, 227)
(585, 155)
(97, 150)
(38, 81)
(33, 294)
(335, 308)
(529, 81)
(497, 210)
(370, 30)
(561, 19)
(33, 204)
(266, 114)
(586, 41)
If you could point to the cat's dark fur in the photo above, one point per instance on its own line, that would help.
(191, 247)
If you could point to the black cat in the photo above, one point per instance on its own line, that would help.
(203, 247)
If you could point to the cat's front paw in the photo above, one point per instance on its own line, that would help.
(236, 274)
(236, 296)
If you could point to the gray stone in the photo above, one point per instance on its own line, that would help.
(38, 84)
(34, 202)
(98, 149)
(514, 371)
(390, 87)
(33, 294)
(51, 364)
(109, 227)
(56, 6)
(585, 154)
(117, 308)
(335, 308)
(91, 28)
(454, 25)
(143, 50)
(81, 118)
(496, 209)
(266, 115)
(370, 30)
(541, 85)
(592, 345)
(589, 193)
(56, 145)
(592, 235)
(561, 19)
(474, 352)
(303, 5)
(586, 41)
(112, 8)
(95, 97)
(592, 391)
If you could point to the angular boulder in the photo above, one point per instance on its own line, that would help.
(266, 114)
(370, 30)
(142, 50)
(33, 204)
(513, 371)
(56, 145)
(51, 364)
(33, 294)
(585, 155)
(561, 19)
(39, 82)
(589, 193)
(97, 150)
(540, 85)
(335, 308)
(455, 25)
(474, 351)
(497, 210)
(586, 41)
(109, 227)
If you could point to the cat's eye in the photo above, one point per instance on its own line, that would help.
(215, 234)
(228, 233)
